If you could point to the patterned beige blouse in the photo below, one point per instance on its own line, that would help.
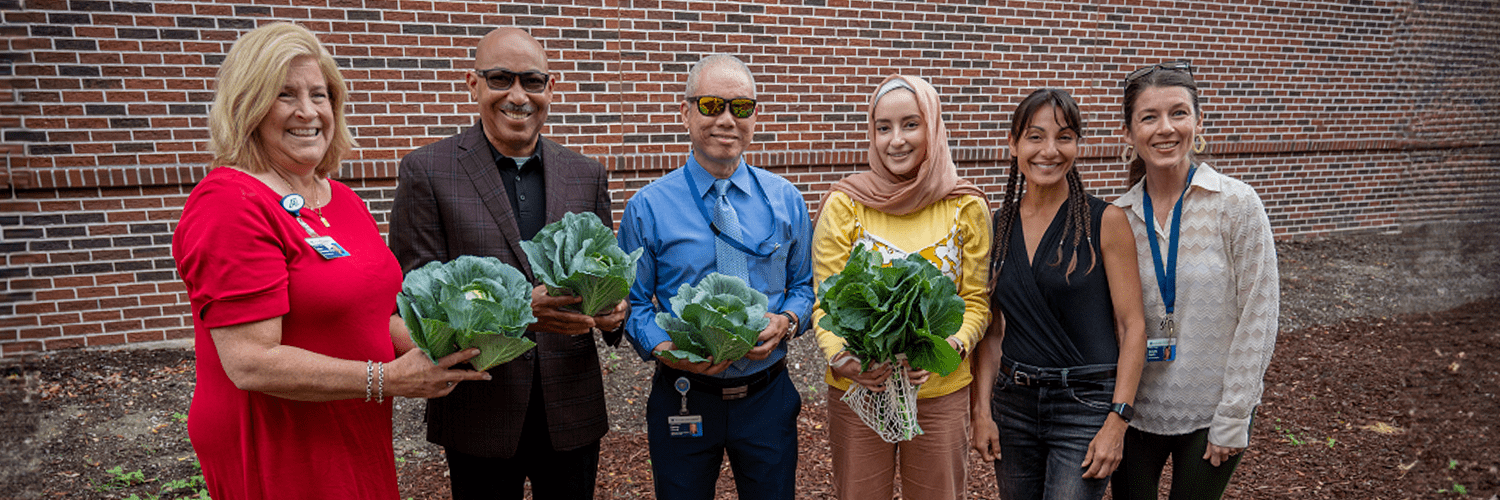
(1228, 300)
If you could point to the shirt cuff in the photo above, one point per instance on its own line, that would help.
(1229, 432)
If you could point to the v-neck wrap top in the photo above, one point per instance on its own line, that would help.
(1054, 319)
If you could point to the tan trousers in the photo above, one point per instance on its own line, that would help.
(932, 464)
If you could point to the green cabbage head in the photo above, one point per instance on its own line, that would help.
(468, 302)
(907, 307)
(578, 255)
(719, 320)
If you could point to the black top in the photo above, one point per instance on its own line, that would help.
(1050, 321)
(527, 192)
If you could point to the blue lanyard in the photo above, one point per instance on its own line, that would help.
(1166, 276)
(703, 210)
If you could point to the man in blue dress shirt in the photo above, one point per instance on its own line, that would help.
(749, 407)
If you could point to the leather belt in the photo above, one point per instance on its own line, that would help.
(1024, 375)
(728, 389)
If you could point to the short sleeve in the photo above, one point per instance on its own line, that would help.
(231, 255)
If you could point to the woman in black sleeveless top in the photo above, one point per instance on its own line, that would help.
(1068, 340)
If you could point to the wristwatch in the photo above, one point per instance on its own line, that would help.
(791, 328)
(1125, 411)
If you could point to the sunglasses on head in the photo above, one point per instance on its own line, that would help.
(1179, 65)
(534, 82)
(712, 105)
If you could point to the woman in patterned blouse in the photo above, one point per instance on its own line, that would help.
(1211, 291)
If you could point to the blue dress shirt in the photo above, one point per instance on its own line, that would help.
(663, 218)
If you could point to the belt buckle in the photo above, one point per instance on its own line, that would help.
(1021, 378)
(738, 392)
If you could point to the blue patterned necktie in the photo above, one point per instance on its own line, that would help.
(731, 262)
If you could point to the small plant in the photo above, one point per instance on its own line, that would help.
(180, 417)
(118, 479)
(1291, 437)
(1457, 489)
(1452, 463)
(1331, 442)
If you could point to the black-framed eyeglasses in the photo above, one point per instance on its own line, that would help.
(1179, 65)
(534, 82)
(712, 105)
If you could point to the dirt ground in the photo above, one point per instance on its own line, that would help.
(1383, 385)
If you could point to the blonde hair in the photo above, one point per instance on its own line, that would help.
(249, 80)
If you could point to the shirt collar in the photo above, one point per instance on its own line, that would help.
(1206, 178)
(739, 179)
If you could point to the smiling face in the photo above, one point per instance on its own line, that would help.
(900, 134)
(513, 117)
(1162, 127)
(1046, 148)
(295, 132)
(718, 141)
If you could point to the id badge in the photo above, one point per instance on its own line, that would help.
(326, 247)
(1161, 349)
(685, 426)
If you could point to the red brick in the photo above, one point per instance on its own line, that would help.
(65, 343)
(98, 340)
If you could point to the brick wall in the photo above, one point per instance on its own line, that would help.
(1345, 115)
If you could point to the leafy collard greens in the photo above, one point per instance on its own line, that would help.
(468, 302)
(578, 256)
(907, 308)
(719, 320)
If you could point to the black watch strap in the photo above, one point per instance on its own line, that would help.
(1124, 410)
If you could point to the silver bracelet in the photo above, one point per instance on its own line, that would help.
(381, 398)
(369, 377)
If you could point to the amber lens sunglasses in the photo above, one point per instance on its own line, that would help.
(534, 82)
(1178, 65)
(712, 105)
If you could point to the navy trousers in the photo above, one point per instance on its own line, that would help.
(759, 432)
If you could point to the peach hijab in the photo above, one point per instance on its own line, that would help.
(936, 177)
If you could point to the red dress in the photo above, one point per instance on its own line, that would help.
(243, 259)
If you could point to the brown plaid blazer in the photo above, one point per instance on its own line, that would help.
(450, 201)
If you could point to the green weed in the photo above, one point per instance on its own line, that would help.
(119, 479)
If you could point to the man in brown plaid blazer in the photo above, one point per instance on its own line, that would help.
(482, 192)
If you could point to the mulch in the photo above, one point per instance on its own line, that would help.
(1368, 408)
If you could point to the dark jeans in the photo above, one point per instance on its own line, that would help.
(759, 433)
(1045, 432)
(1139, 475)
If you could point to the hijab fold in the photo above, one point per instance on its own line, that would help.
(936, 177)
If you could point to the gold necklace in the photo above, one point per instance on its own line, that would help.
(316, 211)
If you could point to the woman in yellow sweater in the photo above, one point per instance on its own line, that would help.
(911, 201)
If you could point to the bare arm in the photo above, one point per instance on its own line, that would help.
(255, 360)
(984, 365)
(1118, 245)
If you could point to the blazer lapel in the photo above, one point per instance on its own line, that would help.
(479, 164)
(557, 174)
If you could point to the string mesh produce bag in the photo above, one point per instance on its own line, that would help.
(891, 413)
